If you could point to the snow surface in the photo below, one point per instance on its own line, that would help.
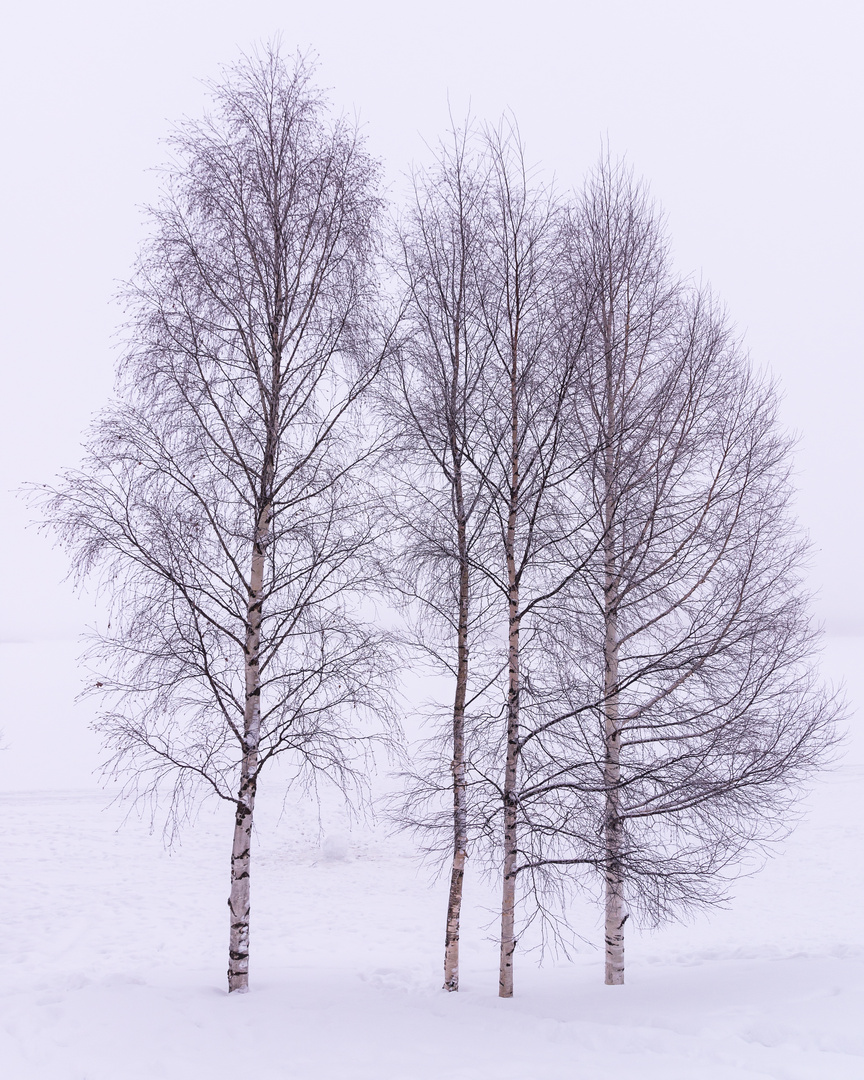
(113, 952)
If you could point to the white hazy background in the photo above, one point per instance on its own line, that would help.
(745, 117)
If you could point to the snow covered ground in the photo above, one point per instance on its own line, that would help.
(112, 955)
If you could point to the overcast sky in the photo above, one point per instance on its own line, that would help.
(746, 119)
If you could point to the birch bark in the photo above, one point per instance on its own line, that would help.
(460, 813)
(239, 899)
(508, 898)
(460, 809)
(615, 910)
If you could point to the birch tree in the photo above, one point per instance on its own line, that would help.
(436, 399)
(484, 383)
(690, 710)
(220, 500)
(530, 382)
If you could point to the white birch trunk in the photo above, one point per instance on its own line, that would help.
(615, 909)
(460, 824)
(239, 898)
(616, 912)
(508, 897)
(460, 808)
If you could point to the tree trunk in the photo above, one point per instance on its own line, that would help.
(460, 809)
(508, 898)
(460, 824)
(616, 914)
(454, 911)
(239, 899)
(238, 902)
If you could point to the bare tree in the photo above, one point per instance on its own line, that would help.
(529, 473)
(688, 711)
(220, 499)
(630, 505)
(434, 399)
(481, 392)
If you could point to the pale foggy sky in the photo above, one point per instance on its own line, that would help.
(745, 117)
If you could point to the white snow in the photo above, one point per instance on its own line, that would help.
(113, 951)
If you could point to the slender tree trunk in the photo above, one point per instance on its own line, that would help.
(241, 851)
(460, 813)
(460, 808)
(616, 913)
(239, 899)
(508, 898)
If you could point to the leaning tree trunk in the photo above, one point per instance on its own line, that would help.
(616, 912)
(460, 812)
(239, 899)
(508, 897)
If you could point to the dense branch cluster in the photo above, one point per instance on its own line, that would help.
(514, 420)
